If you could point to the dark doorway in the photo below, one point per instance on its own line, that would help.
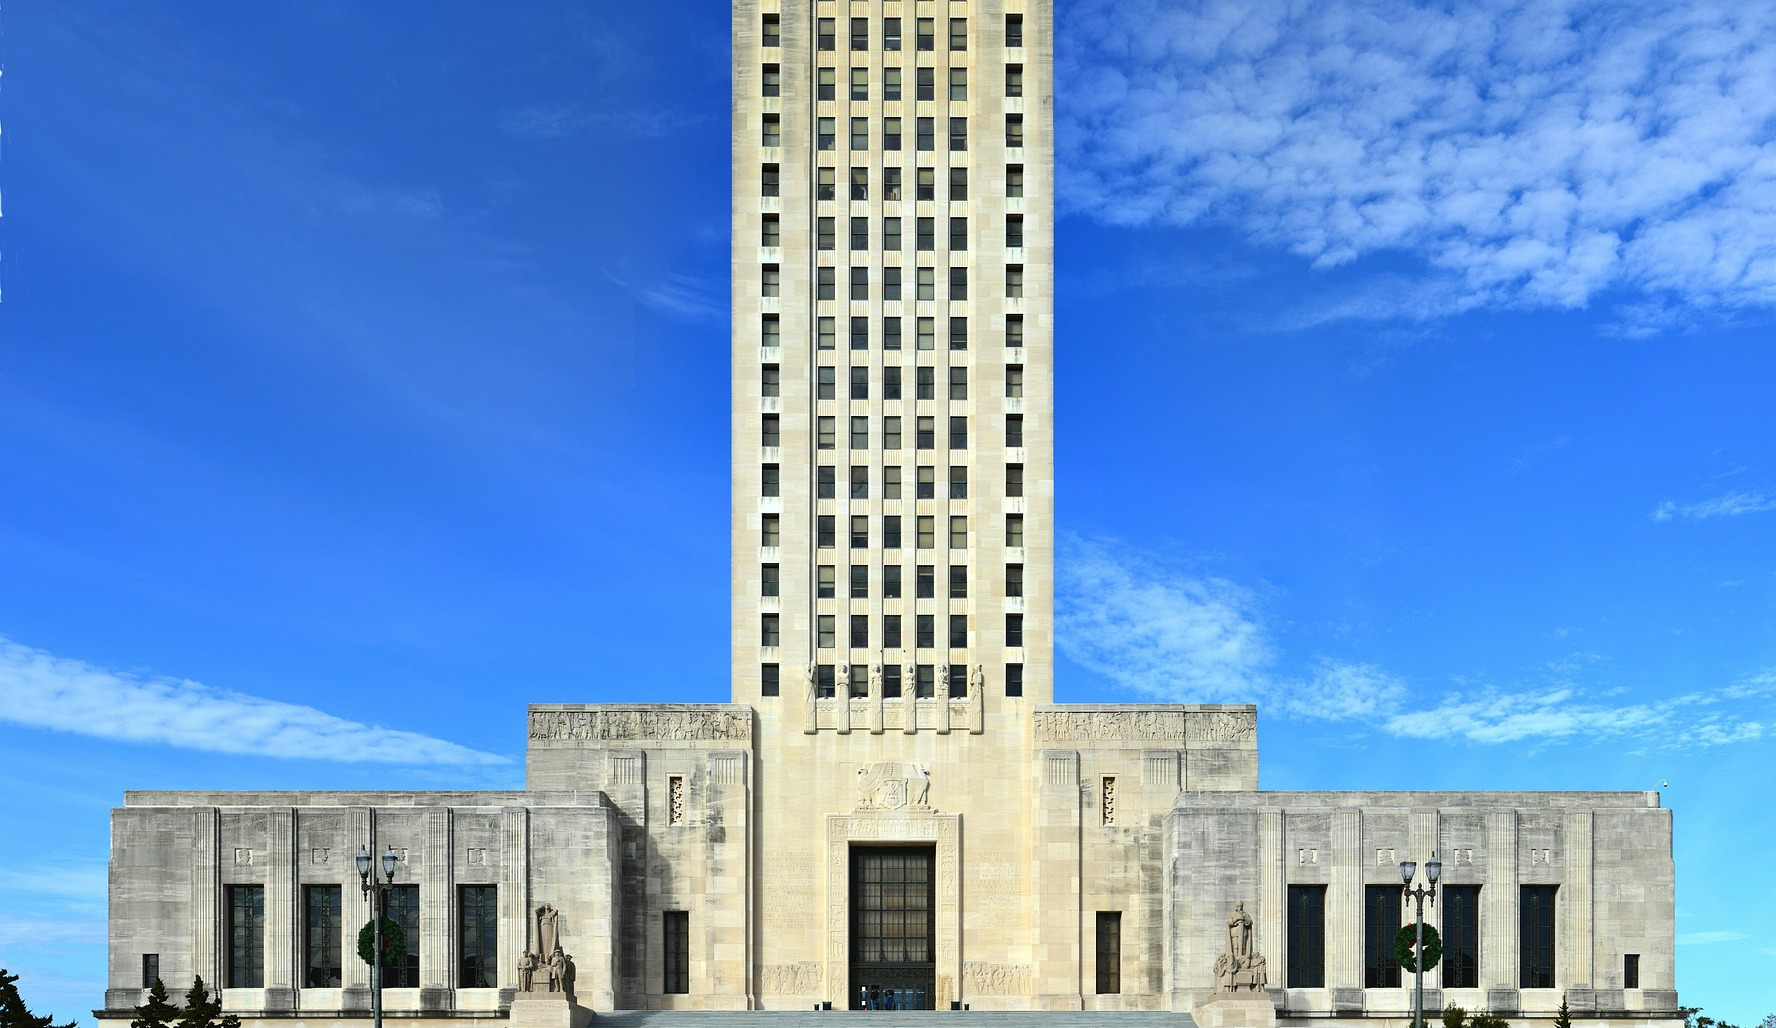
(893, 923)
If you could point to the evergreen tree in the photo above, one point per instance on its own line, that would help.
(1562, 1019)
(157, 1012)
(204, 1011)
(1488, 1021)
(14, 1013)
(1454, 1017)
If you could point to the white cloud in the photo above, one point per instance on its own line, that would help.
(1709, 938)
(1534, 154)
(46, 691)
(1190, 638)
(1730, 505)
(34, 932)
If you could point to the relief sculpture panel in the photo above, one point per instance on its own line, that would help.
(640, 724)
(1146, 725)
(984, 979)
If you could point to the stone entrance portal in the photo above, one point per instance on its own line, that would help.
(893, 928)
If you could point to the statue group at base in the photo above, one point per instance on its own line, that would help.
(545, 996)
(1240, 999)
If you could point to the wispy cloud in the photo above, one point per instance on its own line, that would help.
(561, 121)
(1534, 154)
(1710, 938)
(58, 693)
(1721, 506)
(1186, 637)
(685, 296)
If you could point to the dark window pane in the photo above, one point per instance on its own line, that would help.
(246, 937)
(478, 937)
(677, 956)
(1109, 952)
(1537, 938)
(1381, 922)
(403, 909)
(1307, 937)
(1461, 937)
(321, 964)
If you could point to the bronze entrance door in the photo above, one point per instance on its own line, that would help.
(893, 922)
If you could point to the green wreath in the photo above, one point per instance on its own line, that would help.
(394, 943)
(1403, 955)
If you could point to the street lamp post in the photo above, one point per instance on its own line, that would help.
(378, 910)
(1433, 871)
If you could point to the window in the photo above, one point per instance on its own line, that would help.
(859, 641)
(768, 180)
(958, 186)
(926, 134)
(825, 32)
(824, 530)
(859, 322)
(1014, 180)
(769, 680)
(1014, 430)
(958, 432)
(1014, 30)
(925, 433)
(770, 480)
(860, 572)
(826, 632)
(958, 672)
(770, 580)
(1014, 80)
(773, 31)
(768, 431)
(959, 283)
(823, 682)
(1014, 230)
(825, 235)
(926, 487)
(403, 909)
(891, 672)
(246, 936)
(958, 532)
(150, 969)
(1014, 281)
(826, 133)
(824, 378)
(322, 967)
(1014, 330)
(1461, 936)
(1014, 131)
(891, 429)
(927, 186)
(860, 33)
(927, 37)
(770, 380)
(859, 491)
(891, 291)
(958, 582)
(891, 487)
(959, 483)
(891, 176)
(959, 234)
(770, 280)
(478, 937)
(958, 133)
(860, 241)
(860, 133)
(891, 241)
(1630, 971)
(958, 383)
(860, 383)
(823, 333)
(927, 531)
(1014, 581)
(676, 939)
(891, 37)
(925, 635)
(768, 630)
(959, 332)
(826, 582)
(1536, 943)
(824, 433)
(1381, 922)
(926, 589)
(825, 483)
(1307, 937)
(1014, 480)
(927, 332)
(769, 529)
(772, 80)
(925, 678)
(926, 386)
(958, 83)
(958, 33)
(891, 532)
(1014, 530)
(825, 184)
(770, 331)
(773, 130)
(1014, 381)
(1109, 952)
(891, 140)
(860, 188)
(891, 580)
(1014, 629)
(926, 239)
(1014, 679)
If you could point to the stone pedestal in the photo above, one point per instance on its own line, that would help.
(1231, 1010)
(547, 1010)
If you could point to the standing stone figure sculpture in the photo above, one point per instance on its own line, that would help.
(875, 677)
(527, 965)
(1239, 968)
(811, 700)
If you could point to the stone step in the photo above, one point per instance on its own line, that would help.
(894, 1018)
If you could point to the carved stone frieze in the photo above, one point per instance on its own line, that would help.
(1146, 725)
(640, 723)
(893, 785)
(984, 979)
(798, 979)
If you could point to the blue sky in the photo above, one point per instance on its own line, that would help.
(363, 377)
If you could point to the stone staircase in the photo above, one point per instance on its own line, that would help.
(893, 1019)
